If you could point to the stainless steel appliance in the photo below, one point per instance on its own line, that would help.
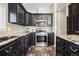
(41, 37)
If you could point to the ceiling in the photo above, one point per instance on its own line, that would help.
(36, 5)
(33, 6)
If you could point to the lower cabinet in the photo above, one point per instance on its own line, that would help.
(32, 39)
(59, 46)
(26, 44)
(71, 49)
(8, 50)
(66, 48)
(20, 46)
(50, 38)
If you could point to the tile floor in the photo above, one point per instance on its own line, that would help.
(41, 51)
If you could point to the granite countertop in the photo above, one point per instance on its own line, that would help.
(72, 38)
(10, 40)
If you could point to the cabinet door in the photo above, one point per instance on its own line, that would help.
(12, 14)
(60, 45)
(33, 37)
(30, 19)
(20, 47)
(70, 25)
(20, 14)
(26, 19)
(50, 39)
(8, 49)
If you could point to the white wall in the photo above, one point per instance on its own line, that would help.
(2, 17)
(61, 22)
(61, 19)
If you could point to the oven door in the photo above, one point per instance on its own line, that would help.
(41, 39)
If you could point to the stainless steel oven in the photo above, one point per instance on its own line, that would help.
(41, 39)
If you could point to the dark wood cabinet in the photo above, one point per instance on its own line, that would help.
(66, 48)
(20, 46)
(50, 39)
(12, 12)
(43, 16)
(30, 19)
(8, 49)
(73, 18)
(59, 45)
(71, 49)
(17, 14)
(23, 44)
(27, 19)
(26, 43)
(32, 39)
(20, 14)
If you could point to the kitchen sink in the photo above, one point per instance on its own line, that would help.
(6, 38)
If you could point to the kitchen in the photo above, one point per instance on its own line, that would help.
(26, 29)
(39, 29)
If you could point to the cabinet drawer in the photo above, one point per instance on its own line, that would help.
(71, 48)
(6, 50)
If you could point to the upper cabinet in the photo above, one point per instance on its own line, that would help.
(43, 16)
(18, 15)
(28, 19)
(12, 12)
(73, 19)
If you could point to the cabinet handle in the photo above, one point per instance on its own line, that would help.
(74, 50)
(7, 51)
